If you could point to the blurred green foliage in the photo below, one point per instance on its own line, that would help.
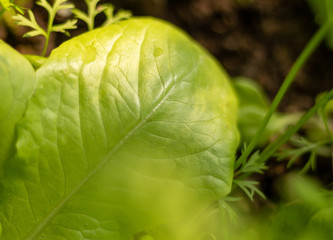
(253, 106)
(323, 10)
(305, 212)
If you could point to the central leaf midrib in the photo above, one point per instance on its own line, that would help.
(55, 210)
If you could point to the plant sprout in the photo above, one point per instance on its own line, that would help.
(94, 10)
(52, 11)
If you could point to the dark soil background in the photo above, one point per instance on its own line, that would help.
(260, 39)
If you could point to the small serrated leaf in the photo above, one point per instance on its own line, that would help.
(18, 9)
(69, 24)
(31, 22)
(80, 15)
(123, 14)
(66, 6)
(249, 188)
(111, 18)
(313, 159)
(102, 7)
(7, 5)
(88, 18)
(32, 33)
(52, 11)
(311, 163)
(46, 5)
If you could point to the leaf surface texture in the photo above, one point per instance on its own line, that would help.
(17, 83)
(131, 126)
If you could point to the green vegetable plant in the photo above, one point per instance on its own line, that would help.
(38, 30)
(120, 118)
(130, 132)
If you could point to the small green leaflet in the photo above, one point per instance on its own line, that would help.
(8, 5)
(52, 10)
(31, 22)
(94, 10)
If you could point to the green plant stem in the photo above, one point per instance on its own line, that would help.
(48, 32)
(275, 145)
(91, 13)
(90, 20)
(304, 56)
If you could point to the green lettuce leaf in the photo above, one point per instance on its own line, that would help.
(131, 126)
(17, 82)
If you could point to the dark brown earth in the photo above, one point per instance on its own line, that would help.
(255, 38)
(260, 39)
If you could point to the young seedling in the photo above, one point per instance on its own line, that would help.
(52, 11)
(94, 10)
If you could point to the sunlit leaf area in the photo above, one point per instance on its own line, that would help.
(166, 120)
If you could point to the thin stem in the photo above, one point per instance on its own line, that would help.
(304, 56)
(91, 10)
(48, 32)
(45, 46)
(91, 13)
(275, 145)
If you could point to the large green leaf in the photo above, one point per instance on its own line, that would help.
(131, 126)
(17, 81)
